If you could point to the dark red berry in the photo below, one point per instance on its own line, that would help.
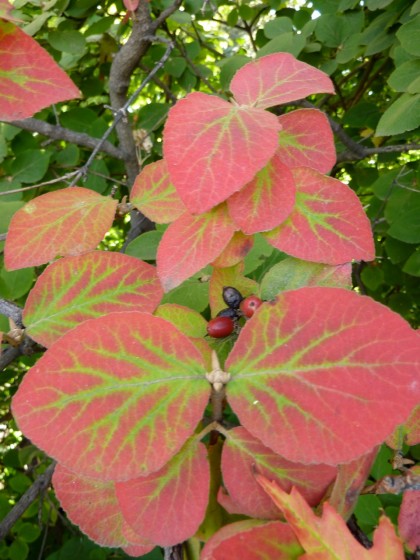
(220, 327)
(232, 297)
(228, 312)
(249, 305)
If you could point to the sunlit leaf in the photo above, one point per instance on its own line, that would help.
(168, 506)
(334, 371)
(306, 139)
(154, 194)
(93, 506)
(192, 242)
(290, 274)
(30, 78)
(242, 453)
(328, 223)
(75, 289)
(213, 148)
(185, 319)
(276, 79)
(253, 540)
(59, 223)
(266, 201)
(328, 537)
(123, 392)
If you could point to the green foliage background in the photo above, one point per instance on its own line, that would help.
(372, 53)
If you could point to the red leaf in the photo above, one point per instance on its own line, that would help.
(306, 139)
(213, 148)
(266, 201)
(154, 194)
(30, 78)
(408, 518)
(123, 392)
(350, 482)
(242, 452)
(235, 251)
(131, 5)
(190, 243)
(93, 506)
(328, 537)
(59, 223)
(75, 289)
(276, 79)
(168, 506)
(253, 540)
(328, 223)
(322, 364)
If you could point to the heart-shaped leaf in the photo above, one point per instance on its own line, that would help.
(242, 453)
(93, 506)
(306, 139)
(123, 392)
(154, 194)
(60, 223)
(266, 201)
(320, 364)
(328, 223)
(168, 506)
(213, 148)
(30, 79)
(75, 289)
(253, 539)
(328, 537)
(192, 242)
(276, 79)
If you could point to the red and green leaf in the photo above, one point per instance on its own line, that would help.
(168, 506)
(30, 78)
(320, 364)
(93, 506)
(242, 453)
(154, 194)
(306, 140)
(123, 392)
(328, 537)
(350, 482)
(75, 289)
(276, 79)
(409, 515)
(213, 148)
(60, 223)
(253, 539)
(328, 223)
(290, 274)
(235, 251)
(266, 201)
(192, 242)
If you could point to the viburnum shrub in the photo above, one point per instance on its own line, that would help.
(162, 432)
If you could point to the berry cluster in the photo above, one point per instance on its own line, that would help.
(227, 319)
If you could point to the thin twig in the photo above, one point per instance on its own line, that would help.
(40, 485)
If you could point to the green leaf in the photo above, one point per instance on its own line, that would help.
(152, 116)
(406, 77)
(277, 27)
(372, 277)
(18, 550)
(402, 115)
(409, 34)
(145, 246)
(69, 40)
(175, 66)
(412, 266)
(15, 284)
(286, 42)
(229, 66)
(402, 213)
(30, 166)
(28, 532)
